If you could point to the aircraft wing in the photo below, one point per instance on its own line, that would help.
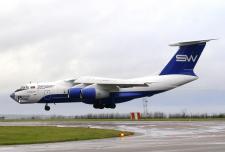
(109, 81)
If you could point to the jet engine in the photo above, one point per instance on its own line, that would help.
(74, 93)
(93, 92)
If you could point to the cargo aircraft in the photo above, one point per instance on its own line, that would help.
(107, 92)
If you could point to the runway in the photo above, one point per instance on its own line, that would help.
(149, 136)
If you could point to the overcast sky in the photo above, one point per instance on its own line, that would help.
(47, 40)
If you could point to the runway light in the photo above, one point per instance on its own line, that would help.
(122, 134)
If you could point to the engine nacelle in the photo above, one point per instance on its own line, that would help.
(74, 93)
(93, 92)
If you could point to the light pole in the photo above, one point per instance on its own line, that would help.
(145, 106)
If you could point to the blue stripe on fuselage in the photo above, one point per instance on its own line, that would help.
(115, 97)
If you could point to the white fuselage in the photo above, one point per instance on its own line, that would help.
(43, 92)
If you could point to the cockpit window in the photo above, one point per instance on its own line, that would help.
(22, 88)
(32, 87)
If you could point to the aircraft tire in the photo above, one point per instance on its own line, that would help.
(112, 106)
(98, 106)
(47, 108)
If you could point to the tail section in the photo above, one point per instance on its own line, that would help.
(184, 61)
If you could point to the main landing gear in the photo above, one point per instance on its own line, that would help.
(47, 108)
(102, 106)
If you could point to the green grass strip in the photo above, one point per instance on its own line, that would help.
(11, 135)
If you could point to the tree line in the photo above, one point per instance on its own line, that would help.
(152, 115)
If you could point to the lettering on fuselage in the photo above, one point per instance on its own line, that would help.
(44, 86)
(186, 58)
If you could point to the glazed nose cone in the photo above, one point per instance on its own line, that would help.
(12, 95)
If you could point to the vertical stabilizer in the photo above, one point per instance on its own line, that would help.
(184, 61)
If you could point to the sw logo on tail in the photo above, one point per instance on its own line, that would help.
(186, 58)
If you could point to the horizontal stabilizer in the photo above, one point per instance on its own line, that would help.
(190, 42)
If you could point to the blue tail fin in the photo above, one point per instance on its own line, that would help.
(184, 61)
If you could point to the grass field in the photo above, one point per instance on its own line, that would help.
(10, 135)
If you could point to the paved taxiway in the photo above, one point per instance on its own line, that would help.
(150, 136)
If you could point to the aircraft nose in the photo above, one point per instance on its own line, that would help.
(12, 95)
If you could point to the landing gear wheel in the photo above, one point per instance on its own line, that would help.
(47, 108)
(95, 106)
(101, 106)
(112, 106)
(98, 106)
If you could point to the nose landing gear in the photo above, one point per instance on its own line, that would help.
(47, 108)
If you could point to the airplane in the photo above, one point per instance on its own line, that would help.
(107, 92)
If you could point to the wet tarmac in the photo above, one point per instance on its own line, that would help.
(157, 136)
